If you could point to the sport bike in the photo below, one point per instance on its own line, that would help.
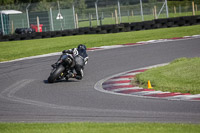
(63, 68)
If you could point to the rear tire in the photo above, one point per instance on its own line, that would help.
(53, 76)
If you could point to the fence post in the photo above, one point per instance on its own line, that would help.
(132, 13)
(102, 15)
(2, 25)
(74, 16)
(38, 24)
(97, 15)
(174, 9)
(52, 27)
(77, 21)
(27, 18)
(128, 15)
(12, 24)
(90, 19)
(167, 12)
(116, 17)
(155, 12)
(120, 17)
(193, 10)
(101, 21)
(112, 16)
(141, 10)
(27, 15)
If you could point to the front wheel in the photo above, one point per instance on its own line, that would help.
(54, 75)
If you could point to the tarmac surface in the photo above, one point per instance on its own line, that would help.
(25, 95)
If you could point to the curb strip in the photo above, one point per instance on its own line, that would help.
(119, 85)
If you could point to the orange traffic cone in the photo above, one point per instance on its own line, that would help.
(149, 84)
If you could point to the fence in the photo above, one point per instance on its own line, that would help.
(91, 13)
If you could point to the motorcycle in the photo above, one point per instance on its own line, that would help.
(63, 68)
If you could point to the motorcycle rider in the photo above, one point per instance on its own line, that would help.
(79, 55)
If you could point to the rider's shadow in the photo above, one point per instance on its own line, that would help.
(60, 81)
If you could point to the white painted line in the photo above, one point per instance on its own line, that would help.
(123, 89)
(113, 85)
(185, 97)
(118, 79)
(110, 47)
(131, 74)
(33, 57)
(141, 93)
(196, 36)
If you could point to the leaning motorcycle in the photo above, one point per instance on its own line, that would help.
(63, 68)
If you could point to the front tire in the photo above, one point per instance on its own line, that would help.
(53, 76)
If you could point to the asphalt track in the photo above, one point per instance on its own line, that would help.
(25, 95)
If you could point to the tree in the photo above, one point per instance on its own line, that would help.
(81, 5)
(5, 2)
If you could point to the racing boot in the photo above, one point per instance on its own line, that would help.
(54, 65)
(79, 74)
(70, 75)
(79, 77)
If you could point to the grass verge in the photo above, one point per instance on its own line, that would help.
(98, 128)
(181, 75)
(18, 49)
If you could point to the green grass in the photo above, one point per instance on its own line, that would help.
(181, 75)
(18, 49)
(98, 128)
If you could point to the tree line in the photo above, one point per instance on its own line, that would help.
(86, 2)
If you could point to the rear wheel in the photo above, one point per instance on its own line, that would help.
(54, 75)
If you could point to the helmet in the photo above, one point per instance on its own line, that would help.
(81, 48)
